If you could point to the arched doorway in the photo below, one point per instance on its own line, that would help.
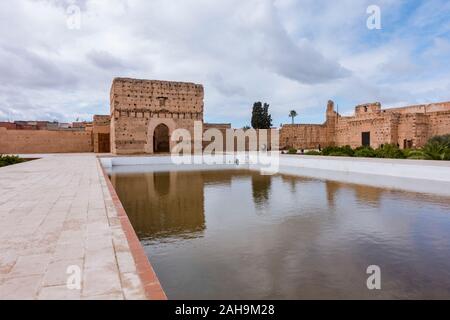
(161, 141)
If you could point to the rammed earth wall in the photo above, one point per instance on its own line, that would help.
(409, 127)
(44, 141)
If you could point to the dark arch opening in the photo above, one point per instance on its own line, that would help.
(161, 139)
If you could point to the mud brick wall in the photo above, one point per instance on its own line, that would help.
(101, 126)
(349, 131)
(44, 141)
(303, 136)
(139, 106)
(222, 127)
(439, 123)
(410, 126)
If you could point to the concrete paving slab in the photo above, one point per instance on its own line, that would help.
(61, 211)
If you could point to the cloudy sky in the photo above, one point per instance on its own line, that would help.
(293, 54)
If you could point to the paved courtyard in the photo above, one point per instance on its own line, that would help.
(60, 221)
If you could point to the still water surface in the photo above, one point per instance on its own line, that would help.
(234, 234)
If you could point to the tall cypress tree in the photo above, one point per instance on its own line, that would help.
(256, 115)
(261, 119)
(267, 118)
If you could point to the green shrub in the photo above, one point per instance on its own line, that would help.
(348, 150)
(409, 152)
(365, 152)
(438, 148)
(341, 151)
(9, 160)
(446, 154)
(390, 151)
(435, 150)
(415, 154)
(292, 151)
(327, 150)
(313, 153)
(442, 140)
(338, 154)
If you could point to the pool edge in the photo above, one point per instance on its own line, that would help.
(152, 286)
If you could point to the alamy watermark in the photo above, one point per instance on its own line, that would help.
(230, 146)
(74, 277)
(374, 280)
(73, 15)
(374, 20)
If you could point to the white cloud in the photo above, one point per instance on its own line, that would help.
(292, 54)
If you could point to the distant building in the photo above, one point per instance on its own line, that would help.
(64, 125)
(8, 125)
(52, 125)
(407, 127)
(144, 113)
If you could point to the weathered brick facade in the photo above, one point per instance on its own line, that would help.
(139, 108)
(101, 134)
(409, 127)
(44, 141)
(145, 113)
(81, 137)
(310, 136)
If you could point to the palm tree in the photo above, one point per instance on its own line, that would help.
(293, 114)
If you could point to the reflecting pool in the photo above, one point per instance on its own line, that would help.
(236, 234)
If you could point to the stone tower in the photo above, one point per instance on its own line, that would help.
(331, 124)
(144, 113)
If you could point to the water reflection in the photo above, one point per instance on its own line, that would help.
(261, 188)
(163, 204)
(236, 234)
(332, 188)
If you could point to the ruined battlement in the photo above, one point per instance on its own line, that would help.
(144, 113)
(421, 108)
(155, 95)
(102, 120)
(368, 108)
(145, 82)
(408, 127)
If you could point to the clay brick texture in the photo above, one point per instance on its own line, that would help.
(144, 113)
(101, 134)
(44, 141)
(408, 127)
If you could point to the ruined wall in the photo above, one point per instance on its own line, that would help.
(8, 125)
(422, 108)
(412, 130)
(139, 106)
(222, 127)
(101, 137)
(262, 138)
(303, 136)
(311, 136)
(439, 123)
(349, 130)
(417, 124)
(330, 126)
(44, 141)
(409, 127)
